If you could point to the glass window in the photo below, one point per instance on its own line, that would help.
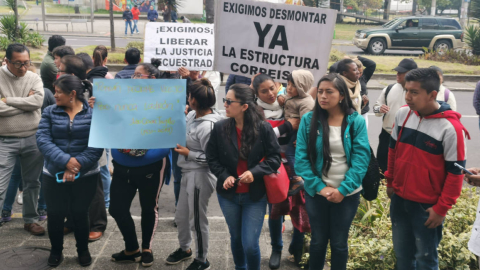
(409, 24)
(429, 23)
(450, 24)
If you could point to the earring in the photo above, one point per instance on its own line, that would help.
(71, 100)
(340, 102)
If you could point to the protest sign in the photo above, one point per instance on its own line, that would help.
(138, 114)
(180, 45)
(275, 39)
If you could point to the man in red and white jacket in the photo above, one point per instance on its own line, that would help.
(422, 180)
(136, 17)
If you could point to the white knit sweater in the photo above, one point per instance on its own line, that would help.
(20, 116)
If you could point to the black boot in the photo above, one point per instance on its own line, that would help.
(275, 259)
(55, 259)
(84, 258)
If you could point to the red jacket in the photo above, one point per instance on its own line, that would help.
(421, 157)
(135, 13)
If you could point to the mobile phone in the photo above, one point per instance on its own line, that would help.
(462, 168)
(237, 180)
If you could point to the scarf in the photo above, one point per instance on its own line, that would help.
(271, 111)
(355, 96)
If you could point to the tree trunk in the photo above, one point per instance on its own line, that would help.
(414, 7)
(210, 10)
(112, 27)
(96, 5)
(386, 9)
(15, 11)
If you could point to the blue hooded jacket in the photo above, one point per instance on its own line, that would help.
(58, 142)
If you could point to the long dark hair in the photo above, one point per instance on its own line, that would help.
(67, 83)
(252, 118)
(321, 115)
(99, 55)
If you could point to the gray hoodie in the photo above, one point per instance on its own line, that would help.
(198, 134)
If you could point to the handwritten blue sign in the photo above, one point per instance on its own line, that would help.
(138, 114)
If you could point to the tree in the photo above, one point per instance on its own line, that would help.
(12, 4)
(210, 10)
(475, 10)
(172, 5)
(112, 27)
(386, 9)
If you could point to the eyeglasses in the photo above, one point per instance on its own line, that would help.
(138, 75)
(229, 102)
(20, 64)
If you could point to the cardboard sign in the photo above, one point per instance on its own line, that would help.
(180, 45)
(138, 114)
(275, 39)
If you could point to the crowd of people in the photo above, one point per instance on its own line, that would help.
(314, 127)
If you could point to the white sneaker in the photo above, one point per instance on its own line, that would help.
(20, 198)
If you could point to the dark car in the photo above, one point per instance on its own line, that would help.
(411, 33)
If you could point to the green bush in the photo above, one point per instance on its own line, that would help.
(35, 39)
(370, 239)
(7, 26)
(452, 56)
(336, 55)
(135, 44)
(472, 38)
(21, 35)
(4, 42)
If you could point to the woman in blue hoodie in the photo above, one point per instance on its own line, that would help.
(143, 170)
(332, 157)
(62, 137)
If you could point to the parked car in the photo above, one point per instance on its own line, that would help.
(411, 33)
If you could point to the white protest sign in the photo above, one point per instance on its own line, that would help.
(180, 45)
(274, 39)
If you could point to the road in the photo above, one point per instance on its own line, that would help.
(354, 50)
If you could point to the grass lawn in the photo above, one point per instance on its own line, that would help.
(64, 9)
(385, 64)
(5, 9)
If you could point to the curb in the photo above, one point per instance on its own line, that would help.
(70, 34)
(450, 88)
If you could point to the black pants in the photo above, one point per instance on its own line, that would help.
(97, 212)
(382, 151)
(148, 180)
(65, 198)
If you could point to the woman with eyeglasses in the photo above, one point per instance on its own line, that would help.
(62, 138)
(135, 170)
(241, 150)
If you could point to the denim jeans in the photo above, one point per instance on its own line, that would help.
(135, 26)
(177, 176)
(414, 244)
(128, 23)
(106, 181)
(244, 218)
(330, 221)
(290, 154)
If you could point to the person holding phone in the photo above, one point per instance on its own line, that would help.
(62, 138)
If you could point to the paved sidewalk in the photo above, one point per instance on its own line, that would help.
(220, 256)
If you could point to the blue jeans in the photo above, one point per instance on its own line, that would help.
(330, 221)
(128, 23)
(15, 182)
(177, 176)
(244, 218)
(414, 244)
(290, 153)
(135, 26)
(106, 180)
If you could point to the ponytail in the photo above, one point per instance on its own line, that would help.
(99, 55)
(202, 91)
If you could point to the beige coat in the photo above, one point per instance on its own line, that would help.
(296, 107)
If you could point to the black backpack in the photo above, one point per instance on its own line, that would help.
(371, 181)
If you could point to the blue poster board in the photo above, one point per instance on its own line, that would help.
(138, 114)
